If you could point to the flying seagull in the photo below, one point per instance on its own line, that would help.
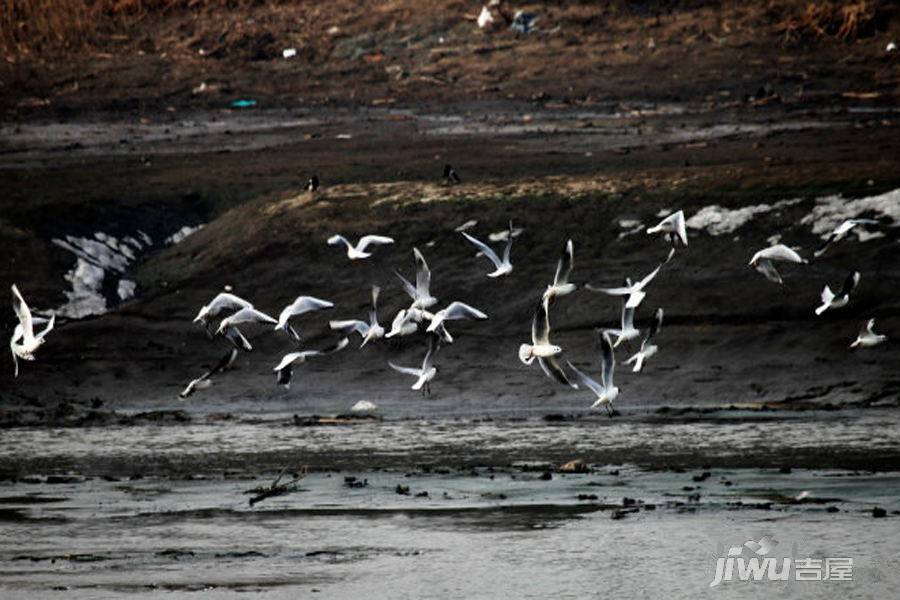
(367, 331)
(245, 315)
(420, 293)
(359, 251)
(301, 305)
(840, 232)
(453, 312)
(867, 337)
(561, 285)
(403, 324)
(205, 381)
(25, 342)
(635, 292)
(221, 303)
(830, 300)
(450, 175)
(647, 349)
(763, 261)
(672, 227)
(285, 369)
(605, 391)
(426, 372)
(627, 332)
(502, 267)
(542, 349)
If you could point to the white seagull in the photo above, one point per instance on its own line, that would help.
(420, 293)
(762, 261)
(840, 232)
(561, 285)
(285, 369)
(453, 312)
(867, 337)
(502, 267)
(205, 381)
(627, 332)
(301, 305)
(542, 349)
(221, 303)
(830, 300)
(605, 391)
(367, 331)
(647, 349)
(359, 251)
(404, 324)
(635, 292)
(245, 315)
(672, 227)
(425, 373)
(24, 341)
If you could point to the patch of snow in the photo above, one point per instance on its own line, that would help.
(182, 233)
(831, 211)
(717, 220)
(126, 289)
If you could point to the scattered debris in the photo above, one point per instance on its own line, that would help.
(243, 103)
(276, 488)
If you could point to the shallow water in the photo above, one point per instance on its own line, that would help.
(479, 534)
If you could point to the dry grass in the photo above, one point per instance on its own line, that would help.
(34, 26)
(845, 21)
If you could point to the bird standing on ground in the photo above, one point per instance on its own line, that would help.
(358, 252)
(450, 175)
(830, 300)
(763, 261)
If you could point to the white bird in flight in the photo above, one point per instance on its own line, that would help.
(763, 261)
(367, 331)
(221, 303)
(424, 374)
(205, 381)
(647, 349)
(24, 341)
(830, 300)
(245, 315)
(605, 390)
(501, 267)
(359, 251)
(420, 293)
(561, 285)
(672, 227)
(285, 369)
(867, 336)
(840, 232)
(626, 332)
(301, 305)
(635, 292)
(542, 349)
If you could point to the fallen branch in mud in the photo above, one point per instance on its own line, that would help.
(276, 488)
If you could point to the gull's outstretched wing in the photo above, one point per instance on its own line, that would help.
(485, 249)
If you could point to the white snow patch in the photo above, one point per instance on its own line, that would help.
(126, 289)
(831, 211)
(716, 220)
(182, 233)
